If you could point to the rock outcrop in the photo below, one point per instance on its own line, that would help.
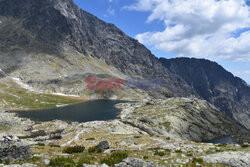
(235, 159)
(180, 118)
(11, 149)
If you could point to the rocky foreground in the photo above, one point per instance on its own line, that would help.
(147, 133)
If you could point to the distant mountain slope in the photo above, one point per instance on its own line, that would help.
(216, 85)
(57, 45)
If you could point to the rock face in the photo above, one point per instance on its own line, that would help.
(235, 159)
(180, 118)
(214, 84)
(54, 45)
(131, 162)
(12, 149)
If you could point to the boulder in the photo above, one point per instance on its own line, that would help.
(103, 145)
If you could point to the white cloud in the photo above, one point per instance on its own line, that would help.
(198, 28)
(110, 12)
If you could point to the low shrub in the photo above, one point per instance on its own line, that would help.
(95, 150)
(62, 162)
(7, 162)
(244, 145)
(222, 145)
(90, 138)
(189, 153)
(54, 145)
(160, 153)
(41, 144)
(197, 160)
(178, 151)
(84, 160)
(74, 149)
(115, 158)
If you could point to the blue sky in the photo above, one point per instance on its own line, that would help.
(218, 30)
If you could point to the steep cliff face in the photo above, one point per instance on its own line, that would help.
(65, 39)
(216, 85)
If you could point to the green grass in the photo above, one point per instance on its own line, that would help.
(159, 153)
(114, 158)
(167, 125)
(18, 98)
(62, 162)
(84, 160)
(95, 150)
(41, 144)
(222, 145)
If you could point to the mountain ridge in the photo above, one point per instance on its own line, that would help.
(54, 46)
(215, 84)
(73, 31)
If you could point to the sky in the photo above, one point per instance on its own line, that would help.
(218, 30)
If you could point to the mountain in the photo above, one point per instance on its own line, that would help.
(48, 48)
(214, 84)
(53, 46)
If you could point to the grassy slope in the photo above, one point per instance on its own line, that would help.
(12, 96)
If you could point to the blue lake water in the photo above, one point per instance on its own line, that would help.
(96, 110)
